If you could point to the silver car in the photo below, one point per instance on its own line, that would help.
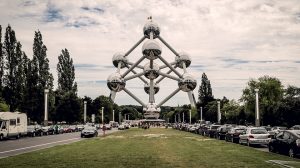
(255, 136)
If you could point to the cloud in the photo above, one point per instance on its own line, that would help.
(231, 41)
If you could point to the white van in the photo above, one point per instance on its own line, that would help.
(12, 124)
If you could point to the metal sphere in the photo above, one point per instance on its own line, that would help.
(151, 27)
(183, 58)
(119, 58)
(187, 83)
(115, 82)
(147, 88)
(151, 73)
(151, 49)
(151, 111)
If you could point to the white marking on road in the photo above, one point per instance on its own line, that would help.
(37, 145)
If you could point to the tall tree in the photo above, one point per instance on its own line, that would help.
(66, 100)
(66, 72)
(13, 78)
(1, 63)
(205, 92)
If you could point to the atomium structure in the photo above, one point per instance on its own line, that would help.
(152, 51)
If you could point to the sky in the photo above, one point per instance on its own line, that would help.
(231, 41)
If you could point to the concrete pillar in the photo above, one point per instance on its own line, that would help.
(84, 111)
(46, 91)
(201, 114)
(257, 116)
(219, 113)
(190, 116)
(113, 115)
(102, 114)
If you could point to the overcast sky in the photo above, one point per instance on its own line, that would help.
(231, 41)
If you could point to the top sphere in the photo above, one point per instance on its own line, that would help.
(151, 27)
(119, 58)
(183, 58)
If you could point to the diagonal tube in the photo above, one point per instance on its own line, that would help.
(138, 43)
(133, 71)
(169, 97)
(134, 97)
(161, 78)
(133, 66)
(166, 44)
(165, 66)
(138, 66)
(112, 95)
(192, 99)
(134, 76)
(168, 76)
(170, 66)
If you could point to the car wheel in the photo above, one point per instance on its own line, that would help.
(232, 140)
(291, 153)
(1, 137)
(271, 148)
(41, 134)
(33, 135)
(18, 136)
(240, 141)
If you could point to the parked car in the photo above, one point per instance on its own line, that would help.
(73, 128)
(80, 127)
(286, 142)
(58, 129)
(221, 131)
(275, 130)
(12, 124)
(107, 126)
(255, 136)
(295, 127)
(233, 134)
(89, 132)
(211, 131)
(47, 130)
(34, 130)
(121, 127)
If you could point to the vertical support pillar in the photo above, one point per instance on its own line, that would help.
(219, 113)
(84, 111)
(113, 115)
(257, 119)
(201, 114)
(46, 91)
(120, 117)
(102, 115)
(190, 116)
(183, 117)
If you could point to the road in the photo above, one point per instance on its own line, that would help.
(27, 144)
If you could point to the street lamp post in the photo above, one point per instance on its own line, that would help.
(120, 117)
(257, 119)
(219, 113)
(84, 111)
(102, 114)
(113, 115)
(190, 116)
(46, 91)
(201, 114)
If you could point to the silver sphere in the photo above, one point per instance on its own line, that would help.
(188, 83)
(183, 58)
(151, 73)
(151, 111)
(115, 82)
(119, 58)
(151, 49)
(151, 27)
(147, 88)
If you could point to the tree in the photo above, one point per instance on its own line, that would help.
(66, 100)
(205, 92)
(270, 96)
(66, 72)
(13, 78)
(1, 62)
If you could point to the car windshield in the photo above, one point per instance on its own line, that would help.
(239, 130)
(282, 128)
(215, 127)
(89, 129)
(259, 131)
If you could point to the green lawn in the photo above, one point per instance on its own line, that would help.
(156, 147)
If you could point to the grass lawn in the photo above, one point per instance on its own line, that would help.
(156, 147)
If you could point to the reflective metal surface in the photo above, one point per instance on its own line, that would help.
(188, 83)
(115, 82)
(151, 49)
(151, 73)
(119, 58)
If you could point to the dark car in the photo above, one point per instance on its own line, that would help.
(89, 132)
(211, 131)
(34, 130)
(286, 142)
(221, 131)
(233, 134)
(295, 127)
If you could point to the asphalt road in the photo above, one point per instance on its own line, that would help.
(27, 144)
